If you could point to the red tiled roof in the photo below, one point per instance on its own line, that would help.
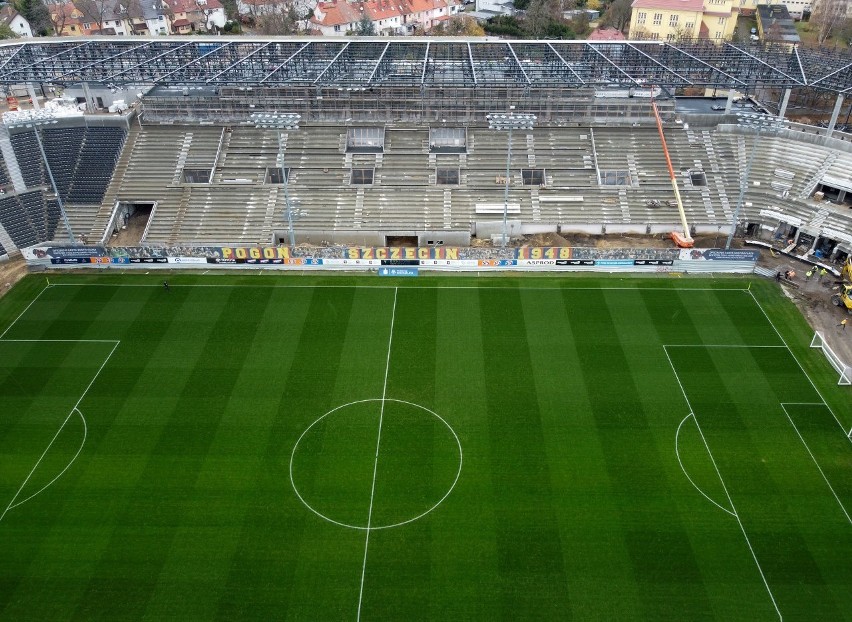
(7, 14)
(180, 22)
(670, 5)
(606, 34)
(340, 13)
(190, 6)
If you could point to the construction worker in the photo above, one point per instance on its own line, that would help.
(842, 324)
(822, 273)
(809, 274)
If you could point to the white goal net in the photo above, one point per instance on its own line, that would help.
(845, 370)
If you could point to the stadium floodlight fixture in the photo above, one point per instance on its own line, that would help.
(35, 121)
(760, 123)
(281, 121)
(508, 122)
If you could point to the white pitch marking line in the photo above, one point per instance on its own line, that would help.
(759, 306)
(799, 434)
(376, 461)
(67, 466)
(677, 453)
(373, 527)
(55, 436)
(326, 286)
(714, 345)
(32, 302)
(60, 341)
(724, 487)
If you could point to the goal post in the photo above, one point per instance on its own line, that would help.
(842, 368)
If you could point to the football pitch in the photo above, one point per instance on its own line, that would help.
(455, 448)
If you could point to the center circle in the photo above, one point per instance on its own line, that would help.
(376, 463)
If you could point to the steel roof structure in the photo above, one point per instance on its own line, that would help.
(361, 62)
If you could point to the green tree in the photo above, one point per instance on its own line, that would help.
(6, 32)
(36, 13)
(365, 28)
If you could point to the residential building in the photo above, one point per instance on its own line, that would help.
(188, 16)
(670, 20)
(389, 17)
(797, 8)
(15, 21)
(775, 24)
(491, 8)
(83, 19)
(258, 8)
(666, 20)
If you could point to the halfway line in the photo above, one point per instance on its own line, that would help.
(376, 461)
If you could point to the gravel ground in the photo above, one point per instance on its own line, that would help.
(813, 297)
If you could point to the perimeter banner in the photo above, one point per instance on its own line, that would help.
(718, 254)
(404, 252)
(450, 257)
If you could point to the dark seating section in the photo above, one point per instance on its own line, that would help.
(4, 176)
(28, 218)
(29, 159)
(96, 164)
(82, 160)
(62, 147)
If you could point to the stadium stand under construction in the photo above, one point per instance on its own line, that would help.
(394, 142)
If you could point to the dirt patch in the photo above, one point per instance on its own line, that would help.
(11, 272)
(813, 298)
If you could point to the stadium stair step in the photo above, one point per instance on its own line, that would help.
(174, 236)
(812, 183)
(107, 207)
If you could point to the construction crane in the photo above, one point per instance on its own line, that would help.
(683, 240)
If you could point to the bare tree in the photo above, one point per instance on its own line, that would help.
(617, 14)
(828, 15)
(60, 13)
(539, 15)
(95, 11)
(279, 19)
(206, 11)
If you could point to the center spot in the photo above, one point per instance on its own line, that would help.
(332, 464)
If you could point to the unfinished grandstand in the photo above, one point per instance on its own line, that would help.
(393, 145)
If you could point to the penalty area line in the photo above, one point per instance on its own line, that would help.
(795, 358)
(55, 436)
(801, 438)
(21, 314)
(724, 486)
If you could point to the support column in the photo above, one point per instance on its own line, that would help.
(90, 106)
(811, 250)
(729, 104)
(31, 92)
(835, 113)
(784, 101)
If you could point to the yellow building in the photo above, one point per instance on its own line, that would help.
(670, 20)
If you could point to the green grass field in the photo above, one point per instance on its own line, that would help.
(324, 448)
